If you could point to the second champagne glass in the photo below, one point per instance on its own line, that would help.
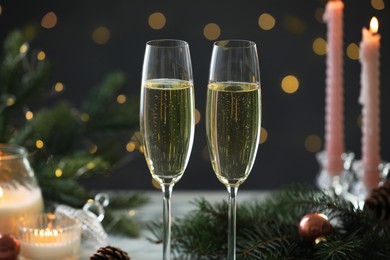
(233, 118)
(167, 118)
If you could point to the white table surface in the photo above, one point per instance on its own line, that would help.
(142, 249)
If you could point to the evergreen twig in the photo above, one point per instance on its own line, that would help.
(67, 133)
(268, 229)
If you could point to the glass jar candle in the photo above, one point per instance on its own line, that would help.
(19, 191)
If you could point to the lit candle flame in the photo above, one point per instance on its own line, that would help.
(47, 235)
(374, 25)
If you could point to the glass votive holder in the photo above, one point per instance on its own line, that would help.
(358, 191)
(49, 236)
(334, 184)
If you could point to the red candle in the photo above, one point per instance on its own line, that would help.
(369, 98)
(334, 127)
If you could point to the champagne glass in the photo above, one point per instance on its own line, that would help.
(167, 118)
(233, 118)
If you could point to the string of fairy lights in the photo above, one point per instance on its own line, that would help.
(289, 84)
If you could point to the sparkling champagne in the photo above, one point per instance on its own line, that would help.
(167, 125)
(233, 120)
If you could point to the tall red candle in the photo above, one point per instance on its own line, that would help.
(334, 118)
(370, 100)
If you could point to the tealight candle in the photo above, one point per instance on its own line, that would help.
(49, 236)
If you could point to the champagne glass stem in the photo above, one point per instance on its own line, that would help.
(167, 220)
(232, 223)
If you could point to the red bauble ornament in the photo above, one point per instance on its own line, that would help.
(313, 226)
(9, 247)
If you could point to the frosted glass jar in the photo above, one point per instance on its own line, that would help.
(19, 191)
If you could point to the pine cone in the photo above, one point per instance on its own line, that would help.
(110, 253)
(378, 203)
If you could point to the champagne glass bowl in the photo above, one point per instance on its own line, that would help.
(167, 118)
(233, 118)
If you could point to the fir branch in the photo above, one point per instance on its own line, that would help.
(20, 72)
(74, 166)
(58, 177)
(121, 224)
(106, 115)
(115, 118)
(118, 219)
(57, 127)
(268, 229)
(273, 242)
(64, 191)
(103, 95)
(126, 201)
(65, 158)
(22, 80)
(335, 247)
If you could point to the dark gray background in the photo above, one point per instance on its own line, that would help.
(81, 64)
